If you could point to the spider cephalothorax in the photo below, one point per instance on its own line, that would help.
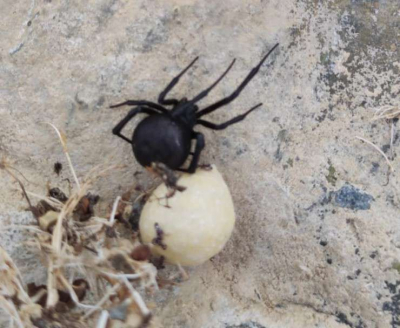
(166, 135)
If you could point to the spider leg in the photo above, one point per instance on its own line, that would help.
(175, 80)
(142, 103)
(236, 93)
(201, 95)
(224, 125)
(118, 128)
(199, 147)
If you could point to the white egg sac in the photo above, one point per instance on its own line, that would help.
(196, 225)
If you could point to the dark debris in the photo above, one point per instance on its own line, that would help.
(351, 197)
(250, 324)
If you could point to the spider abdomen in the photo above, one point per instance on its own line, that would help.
(161, 139)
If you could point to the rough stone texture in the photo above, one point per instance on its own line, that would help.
(296, 259)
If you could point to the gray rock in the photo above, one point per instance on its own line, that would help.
(66, 61)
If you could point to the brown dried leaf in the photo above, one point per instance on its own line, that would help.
(85, 208)
(141, 253)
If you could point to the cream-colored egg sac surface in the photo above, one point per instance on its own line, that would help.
(196, 225)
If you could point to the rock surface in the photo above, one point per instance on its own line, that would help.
(296, 259)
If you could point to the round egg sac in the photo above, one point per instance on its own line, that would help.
(197, 222)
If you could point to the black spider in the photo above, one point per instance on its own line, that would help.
(166, 135)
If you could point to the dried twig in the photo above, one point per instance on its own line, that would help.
(114, 211)
(103, 319)
(5, 167)
(12, 311)
(387, 112)
(50, 200)
(64, 145)
(391, 139)
(379, 150)
(73, 247)
(136, 296)
(103, 300)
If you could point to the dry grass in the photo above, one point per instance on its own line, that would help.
(379, 151)
(112, 265)
(388, 112)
